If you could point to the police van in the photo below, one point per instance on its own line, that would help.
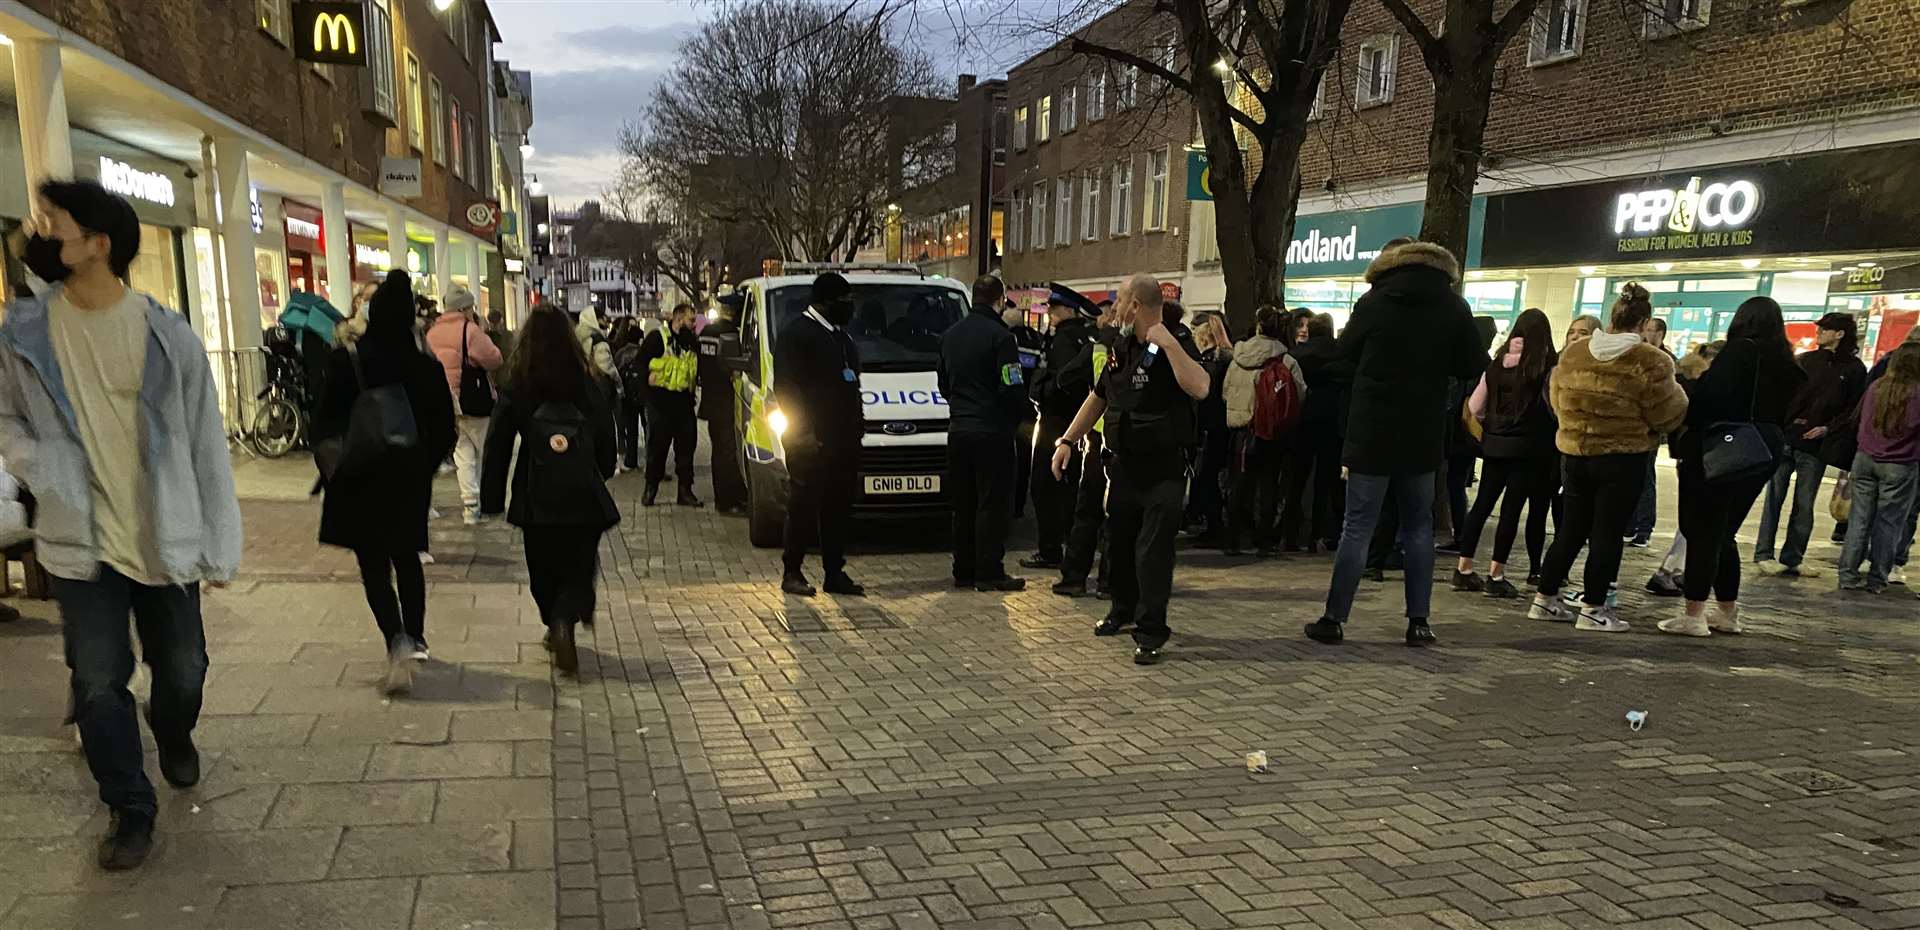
(899, 316)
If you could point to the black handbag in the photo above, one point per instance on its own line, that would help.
(379, 428)
(1732, 450)
(476, 388)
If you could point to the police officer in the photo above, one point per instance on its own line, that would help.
(671, 357)
(986, 390)
(1030, 342)
(1060, 385)
(1086, 532)
(816, 377)
(718, 405)
(1149, 392)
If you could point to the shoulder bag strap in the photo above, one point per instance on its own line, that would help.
(463, 344)
(359, 372)
(1753, 399)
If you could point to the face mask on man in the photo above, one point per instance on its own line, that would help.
(839, 312)
(42, 257)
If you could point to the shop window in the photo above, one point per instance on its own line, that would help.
(1037, 233)
(1069, 101)
(275, 18)
(1097, 97)
(1667, 17)
(1121, 223)
(436, 98)
(1559, 28)
(1020, 129)
(416, 106)
(1063, 213)
(1157, 190)
(1017, 216)
(457, 151)
(1043, 119)
(1377, 57)
(1090, 204)
(377, 84)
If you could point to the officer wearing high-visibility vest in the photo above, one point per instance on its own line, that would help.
(1060, 384)
(672, 356)
(1083, 537)
(1149, 392)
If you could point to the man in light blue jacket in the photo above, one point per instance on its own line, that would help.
(108, 414)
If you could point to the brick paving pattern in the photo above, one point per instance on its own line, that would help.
(934, 758)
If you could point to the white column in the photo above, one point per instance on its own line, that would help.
(333, 215)
(397, 235)
(40, 85)
(442, 261)
(1557, 293)
(242, 324)
(476, 270)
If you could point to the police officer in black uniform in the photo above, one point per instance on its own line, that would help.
(1087, 531)
(1030, 342)
(816, 382)
(1060, 385)
(986, 390)
(1150, 393)
(718, 405)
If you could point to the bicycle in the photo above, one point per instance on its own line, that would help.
(280, 425)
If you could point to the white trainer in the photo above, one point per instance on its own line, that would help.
(1726, 622)
(1600, 620)
(1549, 609)
(1684, 625)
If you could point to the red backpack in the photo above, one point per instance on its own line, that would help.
(1276, 400)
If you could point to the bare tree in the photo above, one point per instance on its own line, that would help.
(783, 113)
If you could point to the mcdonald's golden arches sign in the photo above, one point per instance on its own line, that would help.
(331, 33)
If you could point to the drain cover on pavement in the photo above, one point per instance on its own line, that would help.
(1812, 781)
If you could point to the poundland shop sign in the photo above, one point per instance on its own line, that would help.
(1346, 241)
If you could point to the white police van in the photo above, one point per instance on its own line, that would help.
(899, 316)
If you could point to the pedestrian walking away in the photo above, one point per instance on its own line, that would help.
(110, 417)
(1835, 380)
(385, 425)
(460, 343)
(816, 387)
(1150, 389)
(1517, 435)
(1408, 336)
(719, 406)
(1747, 390)
(563, 424)
(671, 355)
(1060, 385)
(630, 409)
(1615, 397)
(1264, 396)
(1886, 470)
(984, 382)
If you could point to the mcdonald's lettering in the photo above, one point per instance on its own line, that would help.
(330, 32)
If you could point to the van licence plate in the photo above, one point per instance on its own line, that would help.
(903, 484)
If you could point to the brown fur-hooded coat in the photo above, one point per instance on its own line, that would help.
(1612, 401)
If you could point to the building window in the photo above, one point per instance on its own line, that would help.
(1166, 55)
(1666, 17)
(1122, 222)
(1063, 213)
(457, 150)
(1319, 107)
(1559, 26)
(275, 19)
(476, 153)
(1018, 216)
(436, 98)
(379, 70)
(1043, 119)
(1157, 189)
(1000, 135)
(1375, 85)
(1020, 129)
(416, 105)
(1129, 82)
(1097, 97)
(1069, 102)
(1090, 204)
(1037, 233)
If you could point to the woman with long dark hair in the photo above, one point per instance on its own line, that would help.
(1752, 380)
(564, 423)
(1521, 462)
(1313, 457)
(381, 514)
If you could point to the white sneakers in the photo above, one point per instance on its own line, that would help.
(1725, 621)
(1684, 625)
(1550, 610)
(1600, 619)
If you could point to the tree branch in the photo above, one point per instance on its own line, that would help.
(1081, 46)
(1431, 51)
(1510, 25)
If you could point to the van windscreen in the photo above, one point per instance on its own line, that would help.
(896, 327)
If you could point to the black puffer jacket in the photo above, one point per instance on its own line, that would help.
(1834, 386)
(1329, 386)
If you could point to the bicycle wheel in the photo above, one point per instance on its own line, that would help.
(276, 428)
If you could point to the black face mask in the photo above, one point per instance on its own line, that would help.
(839, 312)
(42, 257)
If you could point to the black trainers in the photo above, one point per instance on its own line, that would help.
(1146, 655)
(1040, 560)
(1066, 588)
(1419, 633)
(1501, 588)
(1664, 584)
(796, 584)
(1325, 630)
(1111, 626)
(652, 494)
(1468, 581)
(1003, 583)
(129, 838)
(1374, 574)
(179, 760)
(839, 583)
(686, 499)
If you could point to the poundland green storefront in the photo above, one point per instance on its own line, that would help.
(1328, 257)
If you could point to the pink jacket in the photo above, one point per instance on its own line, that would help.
(443, 340)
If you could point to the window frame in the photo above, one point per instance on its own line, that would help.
(1097, 98)
(380, 71)
(1656, 25)
(1319, 109)
(1021, 122)
(1043, 120)
(1126, 91)
(1148, 205)
(275, 18)
(1090, 204)
(416, 104)
(476, 151)
(1015, 229)
(1069, 103)
(1389, 48)
(1542, 33)
(1120, 222)
(437, 102)
(1037, 233)
(1063, 211)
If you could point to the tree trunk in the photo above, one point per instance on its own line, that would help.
(1454, 148)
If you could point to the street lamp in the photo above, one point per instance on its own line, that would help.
(441, 6)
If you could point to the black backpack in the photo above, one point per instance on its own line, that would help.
(564, 485)
(476, 389)
(633, 372)
(381, 431)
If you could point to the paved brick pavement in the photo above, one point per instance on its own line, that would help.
(926, 757)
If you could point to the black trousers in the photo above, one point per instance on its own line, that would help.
(1052, 497)
(1089, 515)
(1143, 515)
(1205, 496)
(1598, 495)
(980, 470)
(630, 410)
(670, 422)
(1709, 516)
(562, 564)
(1513, 484)
(822, 485)
(1312, 465)
(380, 572)
(1022, 464)
(1257, 464)
(723, 451)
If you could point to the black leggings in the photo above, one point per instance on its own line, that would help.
(380, 571)
(1256, 488)
(1528, 483)
(1601, 493)
(1709, 516)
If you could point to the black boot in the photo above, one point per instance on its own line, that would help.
(129, 838)
(1419, 633)
(686, 499)
(652, 494)
(796, 584)
(566, 656)
(840, 583)
(179, 760)
(1326, 630)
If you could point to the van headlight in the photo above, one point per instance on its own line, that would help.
(777, 421)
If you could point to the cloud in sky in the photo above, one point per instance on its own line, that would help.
(628, 42)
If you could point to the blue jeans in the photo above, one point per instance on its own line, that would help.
(93, 621)
(1883, 494)
(1805, 470)
(1366, 494)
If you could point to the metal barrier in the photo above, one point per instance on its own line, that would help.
(240, 375)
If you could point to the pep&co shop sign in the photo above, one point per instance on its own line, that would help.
(330, 33)
(1851, 200)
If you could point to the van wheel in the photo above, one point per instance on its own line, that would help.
(766, 525)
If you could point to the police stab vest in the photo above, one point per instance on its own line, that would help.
(672, 371)
(1099, 371)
